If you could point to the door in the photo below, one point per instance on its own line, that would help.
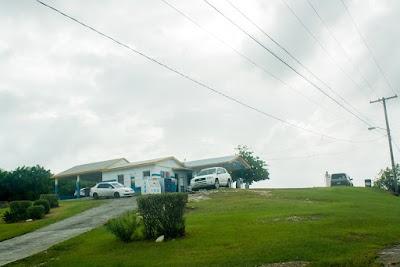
(222, 176)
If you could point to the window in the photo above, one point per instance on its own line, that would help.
(206, 172)
(146, 174)
(338, 176)
(220, 170)
(117, 185)
(121, 179)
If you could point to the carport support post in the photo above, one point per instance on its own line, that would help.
(78, 187)
(56, 186)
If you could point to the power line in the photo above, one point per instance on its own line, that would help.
(196, 81)
(344, 50)
(372, 55)
(323, 48)
(319, 43)
(241, 54)
(285, 63)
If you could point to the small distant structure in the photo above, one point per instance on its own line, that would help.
(327, 179)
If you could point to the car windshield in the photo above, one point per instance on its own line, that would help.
(117, 185)
(338, 176)
(206, 172)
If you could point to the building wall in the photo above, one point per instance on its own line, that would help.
(129, 174)
(135, 174)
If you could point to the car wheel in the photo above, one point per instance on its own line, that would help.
(116, 195)
(228, 184)
(216, 185)
(95, 196)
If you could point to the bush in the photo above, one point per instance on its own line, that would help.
(163, 214)
(124, 227)
(19, 209)
(45, 203)
(10, 217)
(52, 198)
(35, 212)
(385, 180)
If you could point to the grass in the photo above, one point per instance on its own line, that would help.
(324, 226)
(65, 210)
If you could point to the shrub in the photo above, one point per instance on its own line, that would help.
(52, 198)
(10, 217)
(19, 209)
(163, 214)
(35, 212)
(45, 203)
(124, 227)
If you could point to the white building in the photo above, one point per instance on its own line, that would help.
(169, 174)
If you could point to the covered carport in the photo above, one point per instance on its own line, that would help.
(86, 172)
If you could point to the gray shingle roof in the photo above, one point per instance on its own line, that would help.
(143, 163)
(90, 168)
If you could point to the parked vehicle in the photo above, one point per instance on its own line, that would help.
(341, 179)
(83, 192)
(110, 189)
(211, 177)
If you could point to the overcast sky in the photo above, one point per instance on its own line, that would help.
(69, 96)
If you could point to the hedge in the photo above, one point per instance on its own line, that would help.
(45, 203)
(20, 208)
(35, 212)
(18, 211)
(52, 198)
(163, 214)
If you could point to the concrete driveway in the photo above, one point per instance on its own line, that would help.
(29, 244)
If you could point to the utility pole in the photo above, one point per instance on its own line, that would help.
(383, 100)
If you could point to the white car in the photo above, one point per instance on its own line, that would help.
(110, 189)
(84, 192)
(211, 177)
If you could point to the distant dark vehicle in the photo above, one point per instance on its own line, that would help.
(338, 179)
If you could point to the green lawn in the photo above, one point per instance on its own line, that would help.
(66, 209)
(324, 226)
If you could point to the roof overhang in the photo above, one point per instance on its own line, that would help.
(232, 163)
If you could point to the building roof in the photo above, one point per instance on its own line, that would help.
(231, 162)
(235, 162)
(90, 167)
(143, 163)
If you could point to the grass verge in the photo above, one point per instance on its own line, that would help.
(65, 210)
(323, 226)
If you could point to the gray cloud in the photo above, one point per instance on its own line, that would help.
(69, 96)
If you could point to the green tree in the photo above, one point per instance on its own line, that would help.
(385, 180)
(4, 194)
(258, 170)
(27, 183)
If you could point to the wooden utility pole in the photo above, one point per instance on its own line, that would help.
(383, 100)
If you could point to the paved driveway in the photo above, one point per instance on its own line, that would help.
(26, 245)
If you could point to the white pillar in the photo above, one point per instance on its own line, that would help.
(327, 180)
